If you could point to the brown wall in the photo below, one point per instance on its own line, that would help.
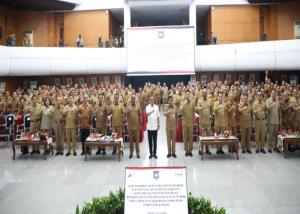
(7, 21)
(46, 26)
(38, 22)
(91, 25)
(12, 83)
(287, 13)
(233, 24)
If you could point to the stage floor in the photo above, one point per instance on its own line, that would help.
(256, 183)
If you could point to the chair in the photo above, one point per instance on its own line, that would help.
(19, 128)
(26, 123)
(7, 132)
(196, 132)
(109, 125)
(125, 133)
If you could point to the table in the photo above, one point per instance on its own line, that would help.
(285, 140)
(95, 143)
(219, 141)
(30, 142)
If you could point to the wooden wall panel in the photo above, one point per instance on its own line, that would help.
(38, 22)
(12, 83)
(91, 25)
(287, 13)
(233, 24)
(7, 21)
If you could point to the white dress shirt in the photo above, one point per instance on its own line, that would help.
(152, 121)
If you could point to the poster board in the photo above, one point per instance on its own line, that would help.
(155, 190)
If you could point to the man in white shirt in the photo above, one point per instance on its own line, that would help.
(152, 112)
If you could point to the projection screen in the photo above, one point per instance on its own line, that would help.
(168, 50)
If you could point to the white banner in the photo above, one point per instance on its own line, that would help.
(156, 190)
(168, 50)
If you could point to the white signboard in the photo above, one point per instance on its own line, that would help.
(156, 190)
(167, 50)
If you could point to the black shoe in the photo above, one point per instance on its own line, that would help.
(191, 154)
(186, 154)
(138, 156)
(69, 153)
(222, 152)
(38, 151)
(174, 156)
(169, 155)
(263, 151)
(130, 156)
(61, 153)
(82, 153)
(257, 150)
(98, 152)
(243, 151)
(57, 153)
(104, 152)
(218, 152)
(74, 153)
(249, 151)
(277, 150)
(155, 156)
(150, 156)
(114, 152)
(270, 150)
(208, 152)
(32, 152)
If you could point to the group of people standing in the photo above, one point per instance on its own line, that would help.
(265, 108)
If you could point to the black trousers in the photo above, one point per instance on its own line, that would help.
(152, 139)
(84, 133)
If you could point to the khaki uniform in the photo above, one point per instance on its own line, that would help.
(245, 124)
(259, 111)
(133, 123)
(126, 98)
(171, 115)
(204, 109)
(187, 112)
(101, 119)
(231, 108)
(273, 107)
(14, 105)
(165, 93)
(287, 114)
(220, 116)
(296, 108)
(58, 126)
(85, 115)
(2, 107)
(117, 112)
(71, 113)
(35, 113)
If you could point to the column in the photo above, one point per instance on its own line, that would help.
(193, 18)
(127, 21)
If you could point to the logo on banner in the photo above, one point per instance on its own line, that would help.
(156, 175)
(161, 34)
